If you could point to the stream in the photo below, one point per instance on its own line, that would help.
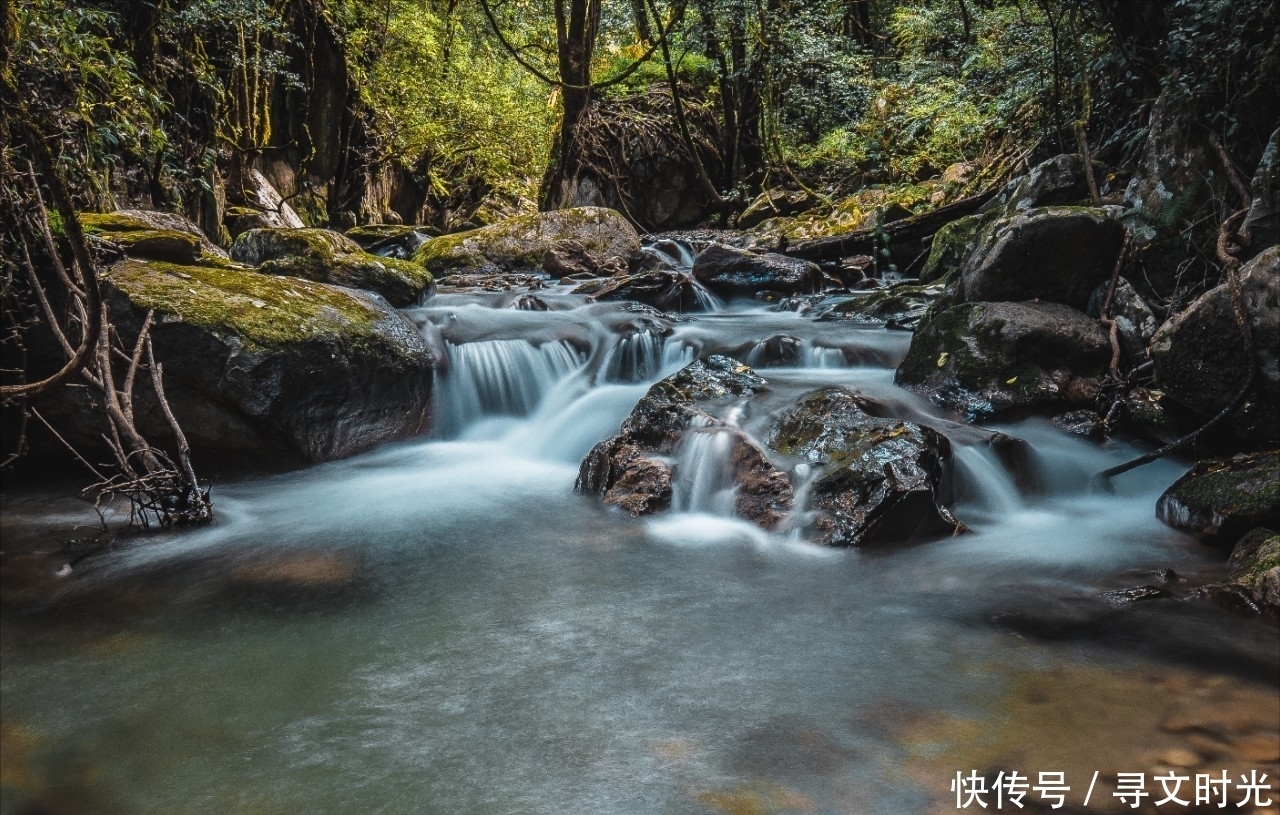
(445, 626)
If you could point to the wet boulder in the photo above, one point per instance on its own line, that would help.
(636, 470)
(1219, 500)
(951, 245)
(268, 368)
(1056, 254)
(1200, 356)
(901, 306)
(664, 289)
(878, 478)
(983, 359)
(522, 242)
(734, 272)
(330, 257)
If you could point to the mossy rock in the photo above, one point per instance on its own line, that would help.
(859, 211)
(260, 367)
(329, 257)
(1219, 500)
(951, 244)
(157, 244)
(522, 241)
(117, 225)
(398, 241)
(983, 359)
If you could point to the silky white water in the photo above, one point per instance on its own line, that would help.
(502, 644)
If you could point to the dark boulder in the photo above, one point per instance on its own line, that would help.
(879, 478)
(1262, 224)
(901, 306)
(667, 290)
(734, 272)
(329, 257)
(636, 469)
(1200, 359)
(1056, 254)
(1219, 500)
(266, 368)
(1253, 583)
(1053, 182)
(982, 359)
(571, 259)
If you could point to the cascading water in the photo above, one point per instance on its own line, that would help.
(444, 625)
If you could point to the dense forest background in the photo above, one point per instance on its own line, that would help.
(454, 114)
(453, 111)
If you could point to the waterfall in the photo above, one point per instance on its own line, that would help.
(499, 378)
(634, 358)
(703, 478)
(986, 486)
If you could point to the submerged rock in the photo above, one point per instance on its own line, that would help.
(260, 366)
(636, 469)
(521, 242)
(1218, 500)
(1056, 254)
(982, 359)
(734, 272)
(879, 478)
(1200, 359)
(329, 257)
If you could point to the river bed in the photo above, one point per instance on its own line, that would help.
(445, 626)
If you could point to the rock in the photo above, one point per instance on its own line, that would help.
(329, 257)
(1173, 167)
(489, 280)
(663, 289)
(1200, 359)
(521, 242)
(951, 245)
(981, 359)
(879, 478)
(391, 240)
(259, 367)
(1056, 254)
(1084, 423)
(960, 173)
(567, 258)
(1219, 500)
(1145, 415)
(1135, 321)
(733, 272)
(275, 211)
(1263, 221)
(900, 306)
(635, 470)
(164, 245)
(1056, 181)
(115, 225)
(1254, 578)
(775, 203)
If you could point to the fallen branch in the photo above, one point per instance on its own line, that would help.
(866, 241)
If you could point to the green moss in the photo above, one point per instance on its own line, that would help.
(262, 310)
(950, 245)
(521, 241)
(98, 222)
(1251, 489)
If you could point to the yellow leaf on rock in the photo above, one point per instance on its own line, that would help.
(942, 358)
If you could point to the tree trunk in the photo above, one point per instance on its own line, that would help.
(567, 181)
